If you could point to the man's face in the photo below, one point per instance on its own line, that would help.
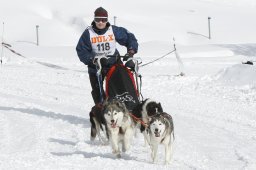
(101, 22)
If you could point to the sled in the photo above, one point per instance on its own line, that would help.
(121, 82)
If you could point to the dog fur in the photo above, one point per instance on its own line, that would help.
(161, 131)
(144, 111)
(120, 126)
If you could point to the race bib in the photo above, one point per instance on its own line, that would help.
(103, 44)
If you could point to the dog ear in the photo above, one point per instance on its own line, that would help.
(123, 107)
(160, 109)
(117, 102)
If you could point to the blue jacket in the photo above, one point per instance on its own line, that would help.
(84, 47)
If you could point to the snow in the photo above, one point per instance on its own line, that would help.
(45, 93)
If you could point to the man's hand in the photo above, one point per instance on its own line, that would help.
(129, 54)
(102, 60)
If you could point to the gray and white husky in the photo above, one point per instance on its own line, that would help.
(144, 111)
(120, 126)
(161, 131)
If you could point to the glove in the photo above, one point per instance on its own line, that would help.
(129, 54)
(103, 61)
(130, 64)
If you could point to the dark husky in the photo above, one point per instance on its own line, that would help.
(98, 124)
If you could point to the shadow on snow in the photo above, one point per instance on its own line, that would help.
(57, 116)
(92, 155)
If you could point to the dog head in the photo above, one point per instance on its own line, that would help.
(157, 125)
(153, 107)
(150, 108)
(114, 113)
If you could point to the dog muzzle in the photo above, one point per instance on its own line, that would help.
(157, 133)
(114, 124)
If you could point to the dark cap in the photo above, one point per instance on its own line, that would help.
(100, 13)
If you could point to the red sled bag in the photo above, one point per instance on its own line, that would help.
(120, 85)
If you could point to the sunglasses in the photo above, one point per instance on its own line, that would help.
(101, 19)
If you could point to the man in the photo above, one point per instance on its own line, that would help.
(100, 39)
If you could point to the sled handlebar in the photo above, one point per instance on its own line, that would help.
(116, 56)
(136, 59)
(97, 61)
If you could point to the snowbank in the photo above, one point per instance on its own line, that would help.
(238, 75)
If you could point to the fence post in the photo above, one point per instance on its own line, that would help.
(209, 26)
(37, 36)
(2, 52)
(115, 20)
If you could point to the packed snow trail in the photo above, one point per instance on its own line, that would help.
(44, 116)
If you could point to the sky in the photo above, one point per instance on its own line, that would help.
(45, 94)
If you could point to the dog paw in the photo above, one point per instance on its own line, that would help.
(92, 138)
(167, 162)
(118, 155)
(154, 161)
(105, 143)
(129, 152)
(115, 152)
(125, 149)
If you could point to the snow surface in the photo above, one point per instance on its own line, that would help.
(45, 93)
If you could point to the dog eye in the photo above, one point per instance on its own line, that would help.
(115, 113)
(160, 124)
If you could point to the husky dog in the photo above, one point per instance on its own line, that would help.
(161, 131)
(98, 124)
(144, 111)
(120, 126)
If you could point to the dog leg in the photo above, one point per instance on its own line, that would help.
(146, 138)
(114, 142)
(97, 125)
(105, 132)
(93, 128)
(137, 126)
(93, 133)
(168, 148)
(167, 153)
(127, 139)
(171, 146)
(154, 148)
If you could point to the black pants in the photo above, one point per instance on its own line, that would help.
(96, 89)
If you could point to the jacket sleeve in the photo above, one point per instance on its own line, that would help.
(125, 38)
(84, 49)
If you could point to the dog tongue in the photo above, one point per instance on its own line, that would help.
(113, 125)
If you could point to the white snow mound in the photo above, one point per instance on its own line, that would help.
(238, 75)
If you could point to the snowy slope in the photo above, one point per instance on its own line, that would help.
(45, 95)
(232, 21)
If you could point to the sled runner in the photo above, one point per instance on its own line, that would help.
(121, 82)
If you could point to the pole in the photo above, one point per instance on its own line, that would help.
(37, 35)
(181, 66)
(209, 26)
(2, 52)
(115, 20)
